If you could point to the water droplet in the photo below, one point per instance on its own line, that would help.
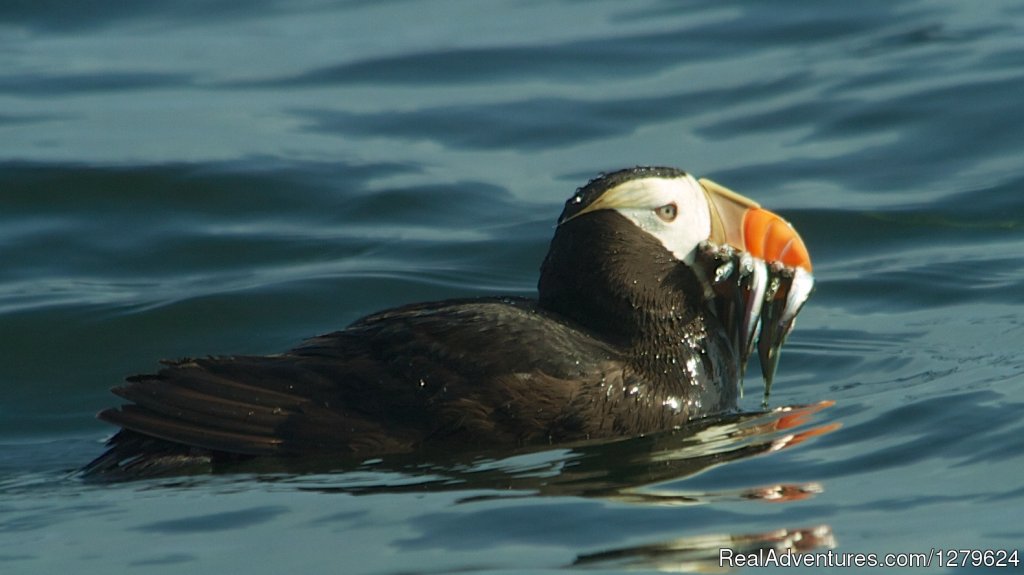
(723, 271)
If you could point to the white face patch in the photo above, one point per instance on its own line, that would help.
(638, 200)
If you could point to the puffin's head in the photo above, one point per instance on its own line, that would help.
(760, 273)
(683, 212)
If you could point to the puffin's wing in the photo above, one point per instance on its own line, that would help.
(197, 411)
(180, 416)
(234, 404)
(267, 405)
(483, 371)
(389, 383)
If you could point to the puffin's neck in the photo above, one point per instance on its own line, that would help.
(611, 278)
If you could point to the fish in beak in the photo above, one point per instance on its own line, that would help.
(760, 273)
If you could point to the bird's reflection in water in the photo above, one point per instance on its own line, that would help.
(636, 471)
(623, 470)
(727, 439)
(702, 553)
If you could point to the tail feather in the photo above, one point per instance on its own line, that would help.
(200, 435)
(195, 412)
(219, 409)
(208, 407)
(132, 455)
(223, 378)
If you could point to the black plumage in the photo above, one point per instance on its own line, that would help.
(622, 340)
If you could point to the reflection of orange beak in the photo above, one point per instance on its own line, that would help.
(740, 222)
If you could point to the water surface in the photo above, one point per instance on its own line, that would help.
(231, 177)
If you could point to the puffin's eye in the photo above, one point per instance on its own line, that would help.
(667, 213)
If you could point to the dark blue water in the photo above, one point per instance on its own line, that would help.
(222, 177)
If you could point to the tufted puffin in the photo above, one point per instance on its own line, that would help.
(655, 290)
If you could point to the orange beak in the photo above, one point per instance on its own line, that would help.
(743, 224)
